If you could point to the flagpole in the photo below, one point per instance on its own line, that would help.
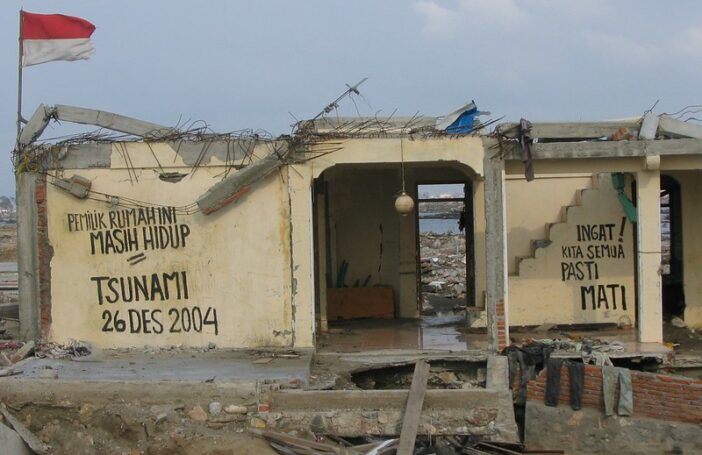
(19, 81)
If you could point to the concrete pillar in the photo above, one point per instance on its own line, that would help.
(408, 250)
(496, 253)
(479, 243)
(302, 254)
(648, 248)
(321, 229)
(27, 256)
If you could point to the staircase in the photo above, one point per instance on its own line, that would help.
(582, 271)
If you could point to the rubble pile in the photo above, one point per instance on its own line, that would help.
(443, 264)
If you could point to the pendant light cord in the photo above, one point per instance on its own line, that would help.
(402, 164)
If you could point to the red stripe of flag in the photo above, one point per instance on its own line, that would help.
(54, 26)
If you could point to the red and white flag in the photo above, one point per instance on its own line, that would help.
(49, 37)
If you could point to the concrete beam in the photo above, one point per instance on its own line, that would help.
(35, 126)
(111, 121)
(496, 253)
(350, 413)
(570, 130)
(27, 259)
(649, 126)
(668, 126)
(99, 154)
(238, 184)
(606, 149)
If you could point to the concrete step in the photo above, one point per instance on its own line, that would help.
(352, 413)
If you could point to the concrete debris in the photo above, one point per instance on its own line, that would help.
(237, 185)
(443, 264)
(73, 349)
(197, 414)
(11, 442)
(215, 408)
(322, 444)
(677, 322)
(23, 352)
(288, 444)
(235, 409)
(7, 371)
(34, 443)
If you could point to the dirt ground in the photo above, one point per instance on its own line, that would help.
(8, 243)
(134, 429)
(684, 340)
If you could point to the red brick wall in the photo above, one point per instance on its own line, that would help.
(655, 395)
(44, 253)
(503, 342)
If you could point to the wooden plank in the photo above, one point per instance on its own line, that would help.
(111, 121)
(293, 441)
(354, 303)
(607, 149)
(415, 401)
(571, 130)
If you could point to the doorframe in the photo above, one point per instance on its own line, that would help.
(469, 235)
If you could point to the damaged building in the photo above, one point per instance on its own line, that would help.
(312, 242)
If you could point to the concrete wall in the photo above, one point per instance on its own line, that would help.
(232, 267)
(586, 274)
(436, 160)
(250, 264)
(365, 225)
(691, 193)
(532, 205)
(372, 237)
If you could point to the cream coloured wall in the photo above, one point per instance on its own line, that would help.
(251, 262)
(532, 205)
(440, 152)
(586, 275)
(236, 263)
(691, 193)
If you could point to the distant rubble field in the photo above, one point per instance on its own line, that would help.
(8, 243)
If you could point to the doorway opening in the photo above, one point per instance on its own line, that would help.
(671, 249)
(368, 267)
(444, 236)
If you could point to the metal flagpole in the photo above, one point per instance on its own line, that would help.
(19, 81)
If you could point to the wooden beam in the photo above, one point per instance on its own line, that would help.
(606, 149)
(570, 130)
(413, 411)
(111, 121)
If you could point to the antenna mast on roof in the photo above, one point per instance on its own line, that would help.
(334, 104)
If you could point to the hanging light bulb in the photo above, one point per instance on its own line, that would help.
(404, 204)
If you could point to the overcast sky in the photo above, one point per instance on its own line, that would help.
(245, 64)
